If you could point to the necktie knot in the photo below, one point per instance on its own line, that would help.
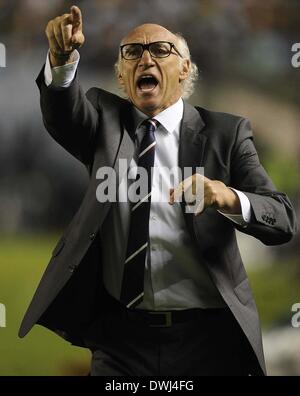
(148, 142)
(151, 124)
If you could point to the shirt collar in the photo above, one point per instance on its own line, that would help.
(168, 118)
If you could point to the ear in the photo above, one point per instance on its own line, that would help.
(185, 69)
(120, 79)
(119, 72)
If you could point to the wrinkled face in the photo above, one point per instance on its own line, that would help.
(153, 84)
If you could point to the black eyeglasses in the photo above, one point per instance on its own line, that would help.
(157, 49)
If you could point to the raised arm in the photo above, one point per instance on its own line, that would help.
(70, 116)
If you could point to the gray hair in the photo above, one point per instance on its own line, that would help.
(188, 85)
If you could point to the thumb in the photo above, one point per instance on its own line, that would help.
(77, 40)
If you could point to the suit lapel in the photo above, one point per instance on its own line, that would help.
(192, 141)
(126, 149)
(191, 150)
(116, 141)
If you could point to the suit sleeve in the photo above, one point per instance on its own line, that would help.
(71, 117)
(273, 220)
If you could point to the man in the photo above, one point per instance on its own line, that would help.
(154, 288)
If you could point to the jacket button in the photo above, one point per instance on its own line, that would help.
(72, 268)
(92, 236)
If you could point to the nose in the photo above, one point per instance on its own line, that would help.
(146, 59)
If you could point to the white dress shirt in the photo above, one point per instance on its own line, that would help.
(174, 277)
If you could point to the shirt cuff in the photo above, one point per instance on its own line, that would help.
(61, 76)
(244, 218)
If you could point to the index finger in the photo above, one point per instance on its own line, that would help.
(77, 17)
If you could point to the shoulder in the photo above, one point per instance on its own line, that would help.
(101, 98)
(220, 119)
(224, 127)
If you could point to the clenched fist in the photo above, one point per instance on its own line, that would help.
(206, 193)
(64, 34)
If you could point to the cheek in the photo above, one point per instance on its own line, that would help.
(127, 77)
(171, 80)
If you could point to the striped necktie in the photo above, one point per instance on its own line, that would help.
(132, 291)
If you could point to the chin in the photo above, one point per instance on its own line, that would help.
(148, 106)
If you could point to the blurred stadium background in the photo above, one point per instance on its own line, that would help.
(243, 49)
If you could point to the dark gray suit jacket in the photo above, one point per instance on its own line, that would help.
(91, 127)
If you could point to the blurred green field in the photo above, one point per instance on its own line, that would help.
(276, 288)
(41, 352)
(22, 262)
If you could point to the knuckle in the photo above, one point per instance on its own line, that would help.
(58, 20)
(48, 27)
(209, 186)
(63, 24)
(214, 198)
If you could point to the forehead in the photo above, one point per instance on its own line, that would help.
(149, 33)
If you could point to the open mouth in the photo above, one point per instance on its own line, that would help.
(147, 83)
